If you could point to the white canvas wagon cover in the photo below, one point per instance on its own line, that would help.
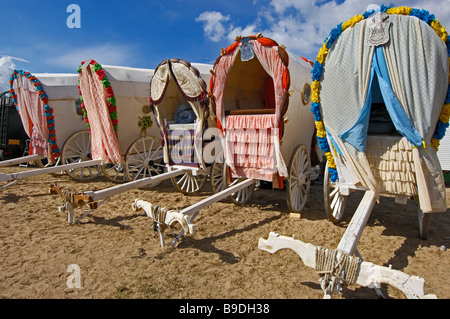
(46, 103)
(399, 57)
(113, 100)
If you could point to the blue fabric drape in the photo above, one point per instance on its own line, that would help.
(357, 135)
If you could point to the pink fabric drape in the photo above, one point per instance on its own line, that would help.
(252, 145)
(104, 143)
(273, 65)
(221, 71)
(31, 110)
(249, 145)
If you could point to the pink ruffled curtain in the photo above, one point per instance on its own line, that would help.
(104, 143)
(31, 110)
(250, 149)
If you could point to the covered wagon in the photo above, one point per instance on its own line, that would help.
(48, 105)
(381, 106)
(260, 97)
(179, 100)
(122, 128)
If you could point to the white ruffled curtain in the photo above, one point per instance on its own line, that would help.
(420, 90)
(104, 143)
(31, 109)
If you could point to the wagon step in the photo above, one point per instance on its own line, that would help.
(72, 199)
(366, 274)
(164, 217)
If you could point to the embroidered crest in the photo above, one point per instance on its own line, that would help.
(246, 50)
(378, 29)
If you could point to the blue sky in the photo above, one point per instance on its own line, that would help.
(139, 33)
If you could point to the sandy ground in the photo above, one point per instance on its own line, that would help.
(119, 254)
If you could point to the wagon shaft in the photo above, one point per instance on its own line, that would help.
(369, 275)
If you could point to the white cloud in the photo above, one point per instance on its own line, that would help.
(213, 24)
(7, 67)
(303, 25)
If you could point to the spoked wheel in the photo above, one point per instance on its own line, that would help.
(77, 149)
(299, 179)
(43, 163)
(217, 175)
(115, 172)
(242, 196)
(144, 158)
(333, 199)
(189, 183)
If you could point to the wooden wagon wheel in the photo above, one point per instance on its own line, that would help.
(77, 149)
(299, 179)
(43, 163)
(217, 175)
(333, 199)
(189, 183)
(144, 158)
(115, 172)
(242, 196)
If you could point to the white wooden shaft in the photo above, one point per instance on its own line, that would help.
(101, 194)
(275, 242)
(216, 197)
(9, 184)
(369, 275)
(47, 170)
(354, 230)
(19, 160)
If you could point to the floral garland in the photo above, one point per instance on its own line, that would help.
(425, 16)
(145, 122)
(48, 111)
(111, 99)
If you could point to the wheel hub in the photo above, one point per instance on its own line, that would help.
(148, 163)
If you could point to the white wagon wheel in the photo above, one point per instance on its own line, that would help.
(144, 158)
(189, 183)
(299, 179)
(43, 163)
(77, 148)
(333, 199)
(242, 196)
(115, 172)
(217, 175)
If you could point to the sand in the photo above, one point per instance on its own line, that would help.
(119, 255)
